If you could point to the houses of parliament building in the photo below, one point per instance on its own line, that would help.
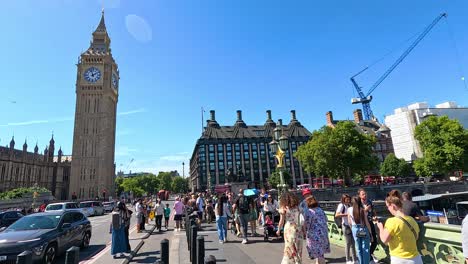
(20, 168)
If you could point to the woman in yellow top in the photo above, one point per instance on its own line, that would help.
(400, 232)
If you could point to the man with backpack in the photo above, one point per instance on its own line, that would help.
(243, 205)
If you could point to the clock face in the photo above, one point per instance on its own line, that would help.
(114, 80)
(92, 74)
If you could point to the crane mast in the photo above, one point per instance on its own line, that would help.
(365, 99)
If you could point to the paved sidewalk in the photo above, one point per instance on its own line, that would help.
(151, 250)
(256, 251)
(136, 243)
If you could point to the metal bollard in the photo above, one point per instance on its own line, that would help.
(165, 251)
(24, 258)
(210, 260)
(193, 244)
(200, 249)
(187, 232)
(73, 255)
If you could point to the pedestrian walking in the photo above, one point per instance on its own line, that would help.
(292, 220)
(120, 221)
(179, 211)
(159, 212)
(315, 222)
(167, 213)
(243, 207)
(139, 214)
(303, 205)
(222, 212)
(342, 212)
(360, 227)
(400, 232)
(369, 208)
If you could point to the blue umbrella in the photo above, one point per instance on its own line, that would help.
(251, 192)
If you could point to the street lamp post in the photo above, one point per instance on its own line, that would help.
(279, 146)
(183, 170)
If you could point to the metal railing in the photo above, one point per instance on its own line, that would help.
(441, 243)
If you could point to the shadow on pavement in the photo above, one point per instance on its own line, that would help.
(85, 254)
(336, 260)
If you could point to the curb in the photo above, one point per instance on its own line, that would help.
(149, 233)
(138, 247)
(134, 252)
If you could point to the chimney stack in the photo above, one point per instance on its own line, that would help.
(239, 115)
(329, 115)
(280, 122)
(293, 114)
(212, 115)
(268, 114)
(357, 115)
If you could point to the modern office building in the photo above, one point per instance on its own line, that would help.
(405, 119)
(245, 150)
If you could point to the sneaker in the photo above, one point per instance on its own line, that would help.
(349, 262)
(225, 240)
(244, 241)
(221, 242)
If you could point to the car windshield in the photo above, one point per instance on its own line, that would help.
(84, 205)
(36, 222)
(52, 207)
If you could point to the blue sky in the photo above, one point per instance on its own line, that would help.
(178, 56)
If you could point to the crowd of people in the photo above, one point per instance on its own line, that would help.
(300, 222)
(401, 233)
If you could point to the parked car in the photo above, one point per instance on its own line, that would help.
(46, 235)
(93, 207)
(9, 217)
(66, 206)
(108, 206)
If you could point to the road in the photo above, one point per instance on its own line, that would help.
(100, 237)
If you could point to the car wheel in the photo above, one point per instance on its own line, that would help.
(86, 240)
(50, 254)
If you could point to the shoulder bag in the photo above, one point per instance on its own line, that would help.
(409, 225)
(361, 232)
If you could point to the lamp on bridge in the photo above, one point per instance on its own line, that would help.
(278, 146)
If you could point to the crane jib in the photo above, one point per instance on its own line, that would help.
(365, 99)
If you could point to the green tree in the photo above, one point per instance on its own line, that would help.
(338, 152)
(118, 186)
(274, 178)
(393, 166)
(179, 185)
(132, 185)
(165, 181)
(148, 182)
(444, 143)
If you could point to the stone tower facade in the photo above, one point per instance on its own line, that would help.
(97, 83)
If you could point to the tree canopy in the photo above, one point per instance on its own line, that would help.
(393, 166)
(444, 143)
(275, 179)
(179, 185)
(338, 152)
(150, 183)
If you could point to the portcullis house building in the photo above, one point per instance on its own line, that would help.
(244, 149)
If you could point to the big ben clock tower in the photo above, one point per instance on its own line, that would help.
(97, 92)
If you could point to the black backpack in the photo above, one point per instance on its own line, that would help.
(244, 204)
(338, 220)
